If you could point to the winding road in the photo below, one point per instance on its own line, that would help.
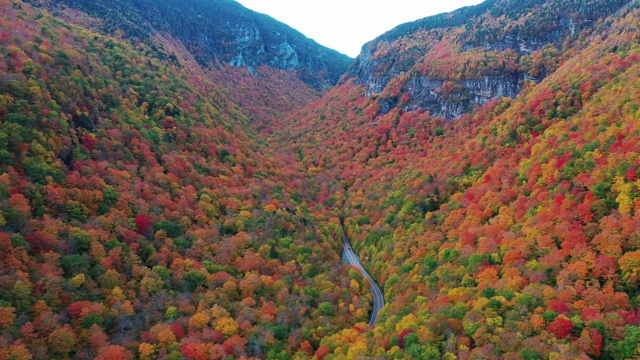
(351, 258)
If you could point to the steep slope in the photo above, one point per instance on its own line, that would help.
(511, 232)
(219, 30)
(150, 209)
(264, 93)
(449, 63)
(142, 216)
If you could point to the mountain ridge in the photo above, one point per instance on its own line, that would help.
(450, 62)
(219, 30)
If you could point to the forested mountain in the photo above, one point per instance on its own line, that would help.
(216, 31)
(140, 213)
(484, 164)
(449, 63)
(511, 231)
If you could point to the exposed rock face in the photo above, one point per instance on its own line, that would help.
(219, 30)
(401, 58)
(425, 93)
(252, 50)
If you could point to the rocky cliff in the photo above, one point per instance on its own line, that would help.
(218, 30)
(449, 63)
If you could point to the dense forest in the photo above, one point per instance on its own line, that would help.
(155, 207)
(212, 31)
(511, 232)
(141, 214)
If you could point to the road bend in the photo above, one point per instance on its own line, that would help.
(351, 258)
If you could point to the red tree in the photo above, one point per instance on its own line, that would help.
(561, 327)
(143, 224)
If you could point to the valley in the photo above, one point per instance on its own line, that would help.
(351, 258)
(175, 188)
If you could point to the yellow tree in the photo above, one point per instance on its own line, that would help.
(227, 326)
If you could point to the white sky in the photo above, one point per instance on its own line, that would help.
(346, 25)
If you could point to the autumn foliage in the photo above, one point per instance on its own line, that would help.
(510, 231)
(140, 208)
(148, 210)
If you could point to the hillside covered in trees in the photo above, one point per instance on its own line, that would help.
(140, 213)
(212, 31)
(510, 232)
(155, 207)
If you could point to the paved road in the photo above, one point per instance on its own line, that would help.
(350, 257)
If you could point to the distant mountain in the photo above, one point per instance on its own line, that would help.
(451, 62)
(219, 30)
